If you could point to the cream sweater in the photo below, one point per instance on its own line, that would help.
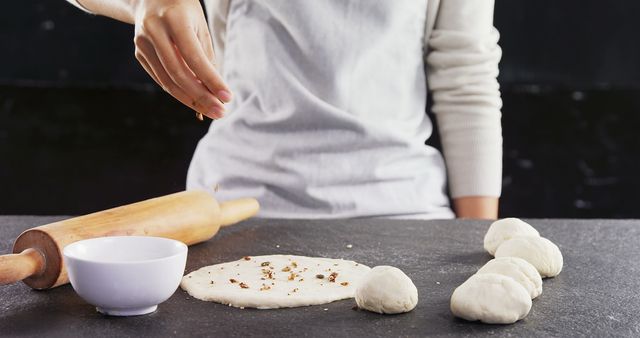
(461, 61)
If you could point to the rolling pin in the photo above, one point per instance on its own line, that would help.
(188, 216)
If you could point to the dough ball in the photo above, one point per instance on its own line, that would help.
(518, 269)
(538, 251)
(491, 298)
(386, 289)
(505, 229)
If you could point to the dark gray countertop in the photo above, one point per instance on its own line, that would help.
(597, 293)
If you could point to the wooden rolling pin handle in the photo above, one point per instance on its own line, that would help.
(234, 211)
(16, 267)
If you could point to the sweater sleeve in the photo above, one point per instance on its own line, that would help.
(77, 4)
(462, 66)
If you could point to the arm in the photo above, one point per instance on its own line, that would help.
(462, 66)
(173, 45)
(481, 207)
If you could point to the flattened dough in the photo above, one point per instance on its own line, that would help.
(276, 281)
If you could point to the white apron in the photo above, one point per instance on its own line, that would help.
(328, 118)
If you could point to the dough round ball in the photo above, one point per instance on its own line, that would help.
(505, 229)
(538, 251)
(491, 298)
(386, 289)
(518, 269)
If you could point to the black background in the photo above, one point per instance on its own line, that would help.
(82, 127)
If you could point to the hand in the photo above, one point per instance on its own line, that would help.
(174, 46)
(478, 207)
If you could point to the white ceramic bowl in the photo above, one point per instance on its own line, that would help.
(125, 275)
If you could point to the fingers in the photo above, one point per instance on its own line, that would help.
(207, 45)
(179, 72)
(196, 58)
(147, 68)
(149, 60)
(174, 46)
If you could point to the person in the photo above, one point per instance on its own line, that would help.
(320, 105)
